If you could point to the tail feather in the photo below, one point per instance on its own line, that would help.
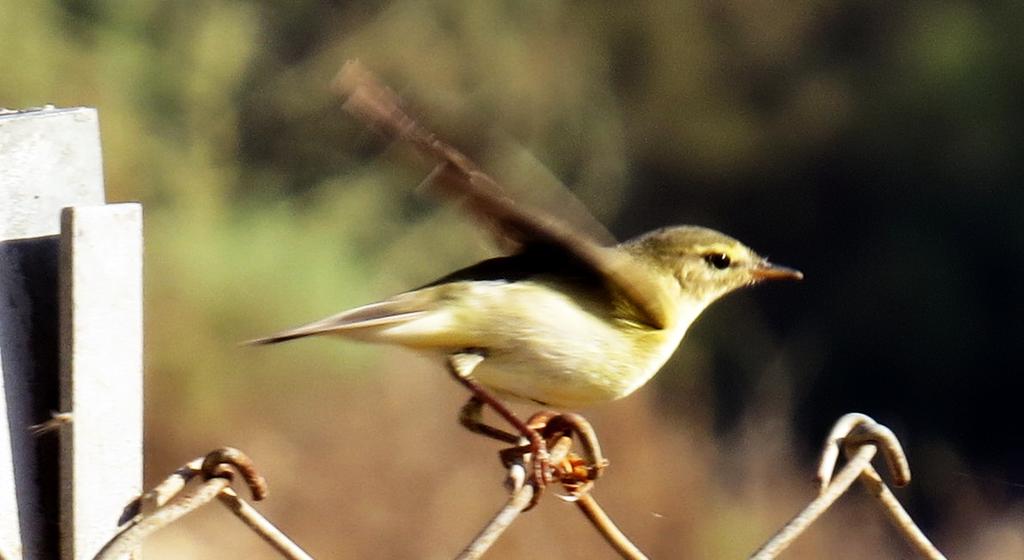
(370, 316)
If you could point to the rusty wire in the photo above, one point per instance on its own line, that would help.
(519, 500)
(860, 438)
(172, 500)
(607, 528)
(576, 474)
(856, 435)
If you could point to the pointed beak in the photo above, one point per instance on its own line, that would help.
(768, 271)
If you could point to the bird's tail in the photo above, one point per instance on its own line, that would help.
(354, 322)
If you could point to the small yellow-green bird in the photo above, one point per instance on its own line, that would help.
(567, 320)
(557, 329)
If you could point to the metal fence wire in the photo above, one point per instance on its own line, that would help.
(209, 478)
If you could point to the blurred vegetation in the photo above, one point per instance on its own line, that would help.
(875, 146)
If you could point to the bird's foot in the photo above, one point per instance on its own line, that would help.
(576, 472)
(575, 468)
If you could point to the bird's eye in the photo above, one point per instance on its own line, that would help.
(720, 261)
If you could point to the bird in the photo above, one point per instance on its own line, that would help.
(566, 318)
(557, 330)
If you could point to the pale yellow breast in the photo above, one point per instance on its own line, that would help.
(546, 346)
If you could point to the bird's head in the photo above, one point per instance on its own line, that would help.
(699, 265)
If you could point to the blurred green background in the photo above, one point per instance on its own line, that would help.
(875, 146)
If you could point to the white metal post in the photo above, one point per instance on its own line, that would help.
(100, 372)
(49, 160)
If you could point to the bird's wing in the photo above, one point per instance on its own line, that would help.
(516, 226)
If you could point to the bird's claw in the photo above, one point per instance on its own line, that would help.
(575, 472)
(540, 460)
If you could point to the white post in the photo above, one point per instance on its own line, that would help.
(100, 372)
(49, 160)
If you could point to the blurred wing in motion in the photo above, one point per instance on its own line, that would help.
(516, 227)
